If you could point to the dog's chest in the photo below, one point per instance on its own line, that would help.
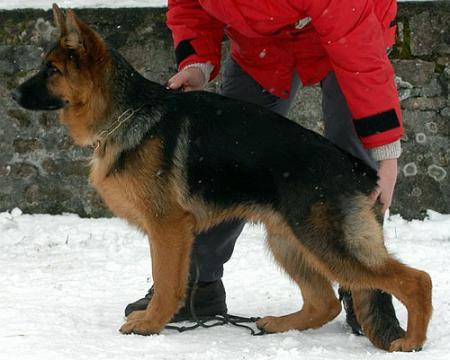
(136, 191)
(119, 194)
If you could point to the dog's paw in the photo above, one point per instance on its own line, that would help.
(140, 327)
(136, 315)
(272, 324)
(406, 345)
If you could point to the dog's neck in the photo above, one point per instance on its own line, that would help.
(122, 119)
(125, 122)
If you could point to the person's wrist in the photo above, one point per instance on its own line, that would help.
(205, 68)
(386, 152)
(387, 162)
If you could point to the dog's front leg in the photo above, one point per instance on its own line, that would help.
(171, 240)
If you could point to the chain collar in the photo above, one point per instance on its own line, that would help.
(103, 135)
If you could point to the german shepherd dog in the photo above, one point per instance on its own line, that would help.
(175, 164)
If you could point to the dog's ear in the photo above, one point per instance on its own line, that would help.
(81, 38)
(60, 22)
(73, 39)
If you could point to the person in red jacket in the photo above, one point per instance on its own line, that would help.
(276, 45)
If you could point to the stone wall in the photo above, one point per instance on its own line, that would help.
(42, 172)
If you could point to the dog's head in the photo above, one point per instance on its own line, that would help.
(71, 71)
(72, 78)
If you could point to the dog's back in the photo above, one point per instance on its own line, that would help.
(240, 152)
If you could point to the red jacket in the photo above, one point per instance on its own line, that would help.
(272, 38)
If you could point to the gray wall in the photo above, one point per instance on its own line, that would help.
(42, 172)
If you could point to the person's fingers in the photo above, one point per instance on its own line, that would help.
(381, 199)
(375, 194)
(383, 196)
(177, 81)
(386, 200)
(387, 172)
(189, 79)
(384, 208)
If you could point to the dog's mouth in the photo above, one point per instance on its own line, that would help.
(51, 107)
(45, 103)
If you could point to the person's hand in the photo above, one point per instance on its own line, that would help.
(387, 173)
(189, 79)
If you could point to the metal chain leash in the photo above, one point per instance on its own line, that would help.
(218, 320)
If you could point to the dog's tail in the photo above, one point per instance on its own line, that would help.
(376, 315)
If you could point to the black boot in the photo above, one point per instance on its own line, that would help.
(209, 300)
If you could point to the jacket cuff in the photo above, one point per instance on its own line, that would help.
(205, 68)
(388, 151)
(192, 51)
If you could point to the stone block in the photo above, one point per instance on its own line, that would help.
(443, 49)
(435, 39)
(446, 112)
(23, 146)
(66, 168)
(22, 170)
(41, 171)
(6, 65)
(423, 42)
(417, 72)
(433, 88)
(443, 60)
(425, 103)
(20, 117)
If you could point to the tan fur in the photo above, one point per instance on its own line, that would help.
(364, 233)
(142, 197)
(87, 100)
(129, 195)
(320, 304)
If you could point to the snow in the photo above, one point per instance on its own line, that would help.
(47, 4)
(65, 282)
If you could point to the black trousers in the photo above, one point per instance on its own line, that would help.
(215, 247)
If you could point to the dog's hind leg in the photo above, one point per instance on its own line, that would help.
(171, 239)
(376, 315)
(320, 304)
(413, 288)
(359, 261)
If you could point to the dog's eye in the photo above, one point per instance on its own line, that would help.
(51, 70)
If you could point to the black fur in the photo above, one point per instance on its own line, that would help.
(241, 153)
(34, 93)
(380, 318)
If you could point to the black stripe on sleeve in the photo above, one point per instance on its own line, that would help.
(183, 50)
(377, 123)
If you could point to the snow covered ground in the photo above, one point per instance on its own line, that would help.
(64, 282)
(47, 4)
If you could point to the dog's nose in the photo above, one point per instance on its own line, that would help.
(16, 95)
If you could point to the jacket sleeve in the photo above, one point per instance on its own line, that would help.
(197, 36)
(354, 39)
(386, 12)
